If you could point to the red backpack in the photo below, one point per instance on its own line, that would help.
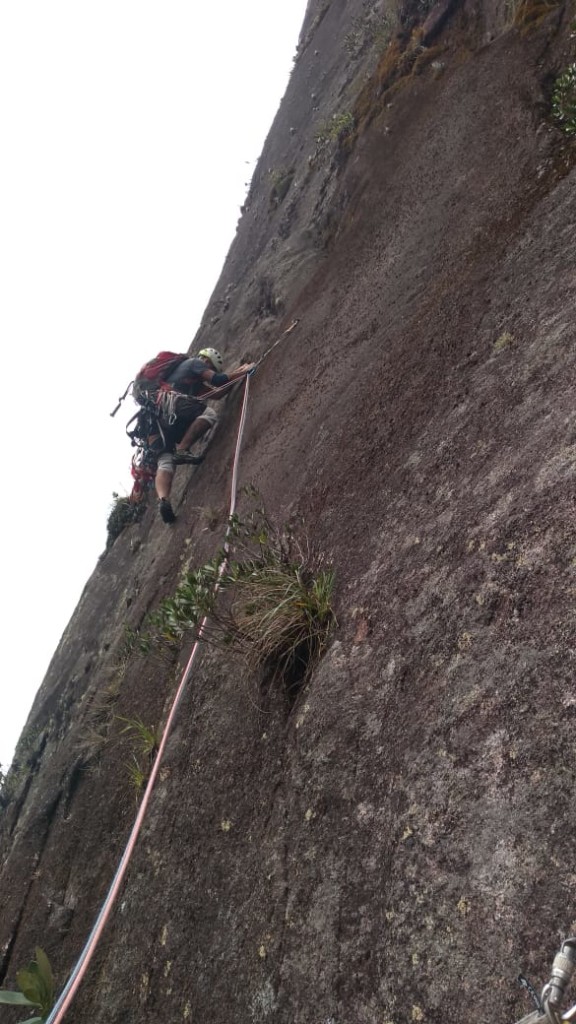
(154, 373)
(151, 376)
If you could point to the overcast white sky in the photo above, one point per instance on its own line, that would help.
(128, 132)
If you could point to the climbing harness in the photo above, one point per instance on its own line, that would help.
(549, 1002)
(67, 995)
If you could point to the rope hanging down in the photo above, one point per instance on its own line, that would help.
(69, 991)
(548, 1004)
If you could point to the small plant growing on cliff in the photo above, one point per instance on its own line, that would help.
(280, 181)
(564, 100)
(272, 608)
(366, 31)
(280, 612)
(36, 986)
(134, 641)
(123, 513)
(146, 737)
(334, 129)
(503, 341)
(138, 774)
(146, 740)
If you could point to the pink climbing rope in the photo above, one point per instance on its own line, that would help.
(65, 999)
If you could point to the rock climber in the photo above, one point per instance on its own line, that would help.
(185, 417)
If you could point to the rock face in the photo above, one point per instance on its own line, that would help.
(396, 844)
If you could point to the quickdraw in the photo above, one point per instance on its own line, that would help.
(549, 1003)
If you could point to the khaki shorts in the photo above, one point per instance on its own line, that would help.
(165, 461)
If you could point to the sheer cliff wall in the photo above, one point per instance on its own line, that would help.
(397, 843)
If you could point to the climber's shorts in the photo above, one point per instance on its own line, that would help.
(173, 434)
(187, 410)
(209, 414)
(165, 462)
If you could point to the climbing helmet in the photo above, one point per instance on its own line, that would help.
(214, 357)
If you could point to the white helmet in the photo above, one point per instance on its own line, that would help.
(214, 357)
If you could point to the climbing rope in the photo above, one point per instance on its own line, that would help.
(277, 342)
(69, 991)
(564, 964)
(65, 999)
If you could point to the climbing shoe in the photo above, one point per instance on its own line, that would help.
(182, 458)
(166, 511)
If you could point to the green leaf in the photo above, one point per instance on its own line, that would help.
(46, 978)
(14, 999)
(29, 983)
(34, 1020)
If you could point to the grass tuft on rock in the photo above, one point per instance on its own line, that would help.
(271, 605)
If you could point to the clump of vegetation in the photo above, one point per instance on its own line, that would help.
(527, 14)
(36, 986)
(271, 605)
(123, 513)
(503, 341)
(137, 773)
(280, 181)
(146, 737)
(99, 718)
(428, 57)
(146, 740)
(353, 38)
(564, 100)
(392, 71)
(366, 32)
(134, 642)
(281, 613)
(334, 129)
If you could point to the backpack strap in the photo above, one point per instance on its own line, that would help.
(146, 422)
